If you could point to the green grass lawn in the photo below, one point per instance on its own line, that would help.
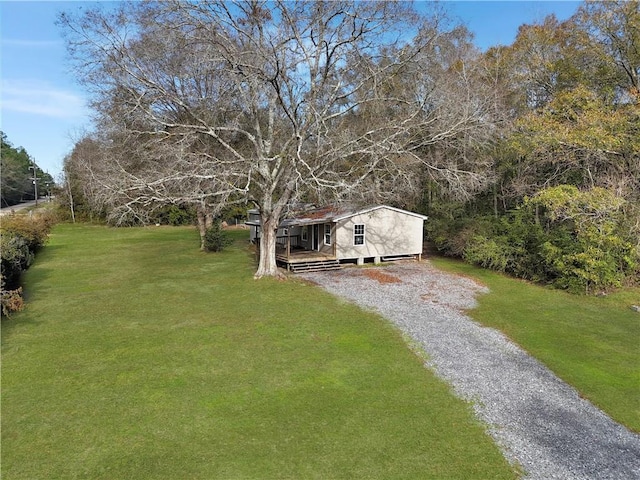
(593, 343)
(138, 357)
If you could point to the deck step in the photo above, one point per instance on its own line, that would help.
(315, 266)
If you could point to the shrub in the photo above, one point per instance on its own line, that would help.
(578, 240)
(34, 229)
(11, 301)
(176, 216)
(452, 236)
(591, 262)
(21, 236)
(489, 253)
(589, 247)
(16, 257)
(215, 239)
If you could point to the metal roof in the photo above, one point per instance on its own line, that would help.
(332, 214)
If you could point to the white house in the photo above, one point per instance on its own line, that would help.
(325, 237)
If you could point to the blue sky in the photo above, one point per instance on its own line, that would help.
(42, 108)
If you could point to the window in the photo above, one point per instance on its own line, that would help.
(327, 234)
(304, 235)
(358, 234)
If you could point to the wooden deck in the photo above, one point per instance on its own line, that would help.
(301, 256)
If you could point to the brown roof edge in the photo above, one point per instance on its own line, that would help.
(333, 213)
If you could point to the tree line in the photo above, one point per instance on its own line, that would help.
(525, 157)
(19, 172)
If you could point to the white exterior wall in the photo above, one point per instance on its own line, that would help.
(387, 233)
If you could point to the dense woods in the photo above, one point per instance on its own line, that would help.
(563, 203)
(526, 157)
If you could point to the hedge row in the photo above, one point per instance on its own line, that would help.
(580, 241)
(21, 236)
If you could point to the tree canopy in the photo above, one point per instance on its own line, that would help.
(18, 170)
(214, 103)
(271, 102)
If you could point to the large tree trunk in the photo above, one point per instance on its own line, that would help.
(267, 266)
(205, 222)
(202, 226)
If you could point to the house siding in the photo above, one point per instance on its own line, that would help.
(387, 233)
(326, 249)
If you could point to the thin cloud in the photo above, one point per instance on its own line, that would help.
(40, 98)
(14, 42)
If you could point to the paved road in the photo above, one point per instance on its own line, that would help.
(21, 206)
(538, 421)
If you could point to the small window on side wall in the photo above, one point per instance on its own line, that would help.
(327, 234)
(358, 234)
(304, 235)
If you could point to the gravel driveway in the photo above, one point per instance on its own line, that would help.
(537, 420)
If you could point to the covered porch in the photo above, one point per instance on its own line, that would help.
(294, 254)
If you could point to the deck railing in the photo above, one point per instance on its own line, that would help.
(281, 241)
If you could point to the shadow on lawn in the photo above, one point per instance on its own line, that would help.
(16, 319)
(37, 278)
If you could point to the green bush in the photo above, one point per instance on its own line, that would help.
(488, 253)
(453, 236)
(575, 240)
(590, 262)
(215, 239)
(176, 216)
(21, 236)
(589, 247)
(34, 229)
(16, 257)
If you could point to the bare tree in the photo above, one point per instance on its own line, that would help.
(83, 190)
(274, 101)
(141, 175)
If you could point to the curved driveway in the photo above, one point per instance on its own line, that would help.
(538, 421)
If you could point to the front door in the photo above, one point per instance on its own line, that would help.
(315, 237)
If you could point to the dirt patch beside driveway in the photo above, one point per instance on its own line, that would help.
(380, 276)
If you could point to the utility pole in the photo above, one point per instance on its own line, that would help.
(35, 181)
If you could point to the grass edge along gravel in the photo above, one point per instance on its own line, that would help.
(138, 356)
(590, 342)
